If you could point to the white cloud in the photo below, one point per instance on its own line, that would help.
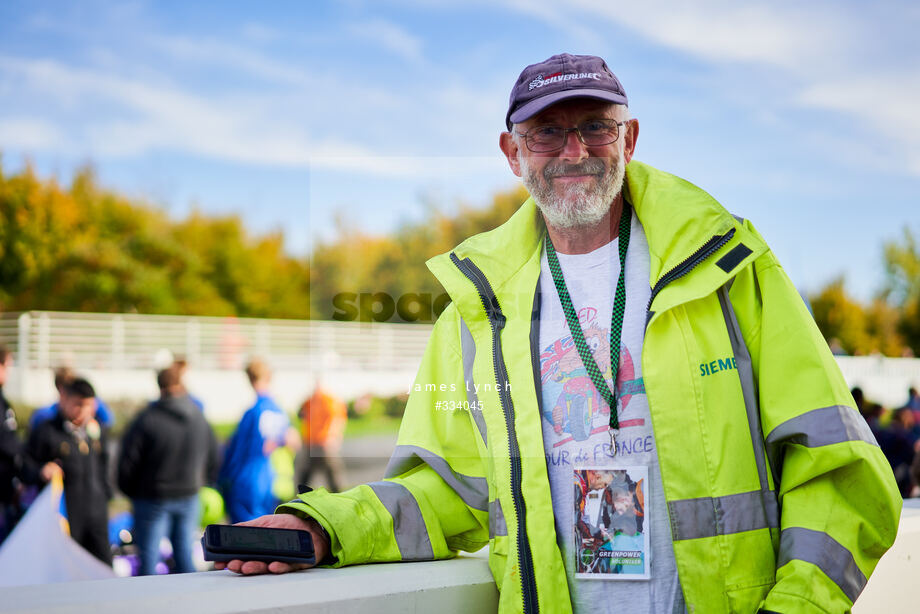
(826, 55)
(390, 36)
(414, 167)
(724, 31)
(31, 133)
(715, 30)
(893, 97)
(558, 15)
(885, 103)
(260, 33)
(236, 57)
(157, 116)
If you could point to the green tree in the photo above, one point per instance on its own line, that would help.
(860, 329)
(84, 248)
(840, 317)
(902, 268)
(394, 265)
(882, 328)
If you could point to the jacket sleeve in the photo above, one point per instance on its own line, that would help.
(14, 454)
(433, 500)
(839, 504)
(130, 456)
(105, 464)
(29, 470)
(37, 448)
(212, 462)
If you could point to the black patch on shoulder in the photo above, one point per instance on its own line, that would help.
(730, 260)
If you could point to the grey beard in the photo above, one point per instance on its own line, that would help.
(581, 205)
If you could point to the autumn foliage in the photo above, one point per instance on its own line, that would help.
(83, 248)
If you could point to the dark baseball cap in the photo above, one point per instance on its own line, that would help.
(561, 77)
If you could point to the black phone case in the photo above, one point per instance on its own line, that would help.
(210, 555)
(222, 557)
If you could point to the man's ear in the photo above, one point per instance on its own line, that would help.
(630, 138)
(509, 147)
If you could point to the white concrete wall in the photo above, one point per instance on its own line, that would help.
(458, 586)
(892, 587)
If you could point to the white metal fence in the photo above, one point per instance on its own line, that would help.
(46, 339)
(119, 351)
(883, 380)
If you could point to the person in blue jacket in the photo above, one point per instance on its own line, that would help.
(62, 375)
(246, 475)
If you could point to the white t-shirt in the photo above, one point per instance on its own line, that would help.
(575, 436)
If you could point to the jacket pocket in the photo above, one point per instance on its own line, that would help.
(747, 599)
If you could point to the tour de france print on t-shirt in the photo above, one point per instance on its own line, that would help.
(574, 408)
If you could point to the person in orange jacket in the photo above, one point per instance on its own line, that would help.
(323, 417)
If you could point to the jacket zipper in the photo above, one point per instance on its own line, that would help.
(497, 322)
(705, 251)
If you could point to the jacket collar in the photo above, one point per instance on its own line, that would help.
(677, 216)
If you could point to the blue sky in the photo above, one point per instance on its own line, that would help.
(800, 116)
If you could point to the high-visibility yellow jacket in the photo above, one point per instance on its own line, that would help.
(777, 493)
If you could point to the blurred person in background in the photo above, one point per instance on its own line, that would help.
(246, 475)
(323, 417)
(859, 398)
(62, 375)
(16, 468)
(181, 365)
(913, 402)
(168, 453)
(898, 441)
(915, 472)
(836, 347)
(76, 442)
(871, 412)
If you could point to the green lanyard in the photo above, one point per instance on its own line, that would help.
(616, 320)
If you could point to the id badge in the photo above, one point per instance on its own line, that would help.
(611, 523)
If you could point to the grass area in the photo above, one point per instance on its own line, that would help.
(356, 427)
(223, 430)
(378, 425)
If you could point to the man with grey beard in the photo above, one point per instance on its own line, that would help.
(581, 207)
(621, 321)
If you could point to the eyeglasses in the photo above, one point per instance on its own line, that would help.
(592, 133)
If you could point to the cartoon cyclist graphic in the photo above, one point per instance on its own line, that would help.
(579, 402)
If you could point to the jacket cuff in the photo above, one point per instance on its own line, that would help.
(319, 505)
(778, 602)
(329, 559)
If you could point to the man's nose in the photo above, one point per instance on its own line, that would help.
(572, 148)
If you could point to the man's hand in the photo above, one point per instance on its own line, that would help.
(279, 521)
(49, 470)
(292, 440)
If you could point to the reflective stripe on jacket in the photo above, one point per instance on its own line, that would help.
(778, 495)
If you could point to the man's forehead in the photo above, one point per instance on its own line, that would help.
(76, 397)
(86, 403)
(574, 107)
